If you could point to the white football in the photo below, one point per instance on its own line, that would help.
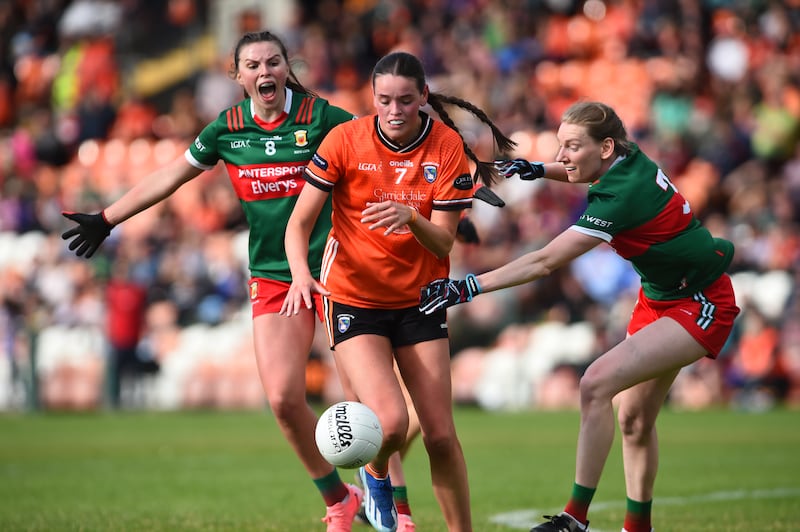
(349, 434)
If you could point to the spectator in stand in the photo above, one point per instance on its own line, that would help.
(756, 375)
(125, 302)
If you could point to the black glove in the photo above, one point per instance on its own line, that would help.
(485, 194)
(443, 293)
(527, 170)
(90, 232)
(466, 231)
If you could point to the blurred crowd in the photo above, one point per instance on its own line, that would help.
(159, 317)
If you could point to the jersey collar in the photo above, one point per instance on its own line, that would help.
(287, 106)
(427, 125)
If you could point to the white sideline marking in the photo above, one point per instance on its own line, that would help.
(525, 519)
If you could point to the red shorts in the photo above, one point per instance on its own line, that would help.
(707, 315)
(267, 296)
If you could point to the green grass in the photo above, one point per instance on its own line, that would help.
(720, 471)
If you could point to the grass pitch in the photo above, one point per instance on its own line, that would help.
(214, 471)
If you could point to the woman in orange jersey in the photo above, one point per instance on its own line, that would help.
(399, 181)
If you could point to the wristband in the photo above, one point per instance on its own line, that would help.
(414, 215)
(103, 215)
(472, 285)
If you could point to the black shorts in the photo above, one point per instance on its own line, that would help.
(407, 326)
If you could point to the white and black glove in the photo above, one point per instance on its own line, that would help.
(527, 170)
(443, 293)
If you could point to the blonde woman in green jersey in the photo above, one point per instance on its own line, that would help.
(265, 142)
(685, 310)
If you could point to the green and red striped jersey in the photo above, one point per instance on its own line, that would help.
(639, 212)
(265, 163)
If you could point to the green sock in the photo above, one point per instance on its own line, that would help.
(332, 488)
(579, 501)
(400, 496)
(637, 515)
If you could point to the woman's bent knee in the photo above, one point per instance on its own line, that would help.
(634, 426)
(441, 444)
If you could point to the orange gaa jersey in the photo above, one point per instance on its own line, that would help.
(359, 166)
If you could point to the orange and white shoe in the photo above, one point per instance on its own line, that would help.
(340, 516)
(405, 524)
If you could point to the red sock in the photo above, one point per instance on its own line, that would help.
(332, 488)
(400, 496)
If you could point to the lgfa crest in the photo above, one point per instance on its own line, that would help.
(301, 137)
(429, 172)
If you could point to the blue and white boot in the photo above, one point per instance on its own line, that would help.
(378, 502)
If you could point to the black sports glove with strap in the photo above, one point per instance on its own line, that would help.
(443, 293)
(466, 231)
(527, 170)
(486, 194)
(90, 232)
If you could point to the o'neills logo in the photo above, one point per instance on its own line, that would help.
(341, 433)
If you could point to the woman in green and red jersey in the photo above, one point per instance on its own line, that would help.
(265, 142)
(685, 310)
